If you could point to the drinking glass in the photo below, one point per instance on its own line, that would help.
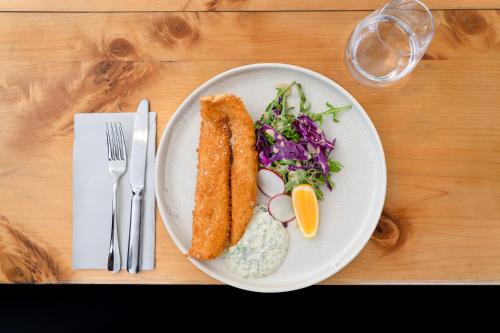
(387, 44)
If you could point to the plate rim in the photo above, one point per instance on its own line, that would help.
(330, 270)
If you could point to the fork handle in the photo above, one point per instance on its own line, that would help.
(135, 233)
(114, 262)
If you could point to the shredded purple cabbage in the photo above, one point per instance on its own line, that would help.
(312, 145)
(281, 149)
(277, 108)
(311, 134)
(315, 139)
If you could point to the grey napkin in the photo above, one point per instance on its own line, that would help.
(93, 189)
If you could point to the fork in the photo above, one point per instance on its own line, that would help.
(117, 160)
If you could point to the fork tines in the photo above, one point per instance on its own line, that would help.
(116, 142)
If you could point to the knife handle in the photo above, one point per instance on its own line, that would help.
(135, 233)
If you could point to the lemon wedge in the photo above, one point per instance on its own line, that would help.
(305, 206)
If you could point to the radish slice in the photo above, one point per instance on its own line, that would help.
(262, 199)
(270, 183)
(281, 208)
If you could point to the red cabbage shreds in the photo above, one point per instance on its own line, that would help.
(264, 160)
(277, 108)
(283, 148)
(311, 134)
(263, 147)
(289, 150)
(333, 143)
(292, 167)
(261, 139)
(317, 143)
(322, 162)
(269, 131)
(261, 142)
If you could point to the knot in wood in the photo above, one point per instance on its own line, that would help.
(468, 21)
(178, 27)
(121, 47)
(176, 30)
(390, 234)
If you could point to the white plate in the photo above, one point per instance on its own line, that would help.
(348, 215)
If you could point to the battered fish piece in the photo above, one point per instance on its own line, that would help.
(244, 163)
(211, 215)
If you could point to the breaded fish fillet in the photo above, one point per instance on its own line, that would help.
(244, 162)
(211, 215)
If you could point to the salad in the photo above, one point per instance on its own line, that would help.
(292, 143)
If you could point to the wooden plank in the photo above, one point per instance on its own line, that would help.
(223, 5)
(439, 127)
(259, 37)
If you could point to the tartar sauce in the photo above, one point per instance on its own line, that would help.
(262, 248)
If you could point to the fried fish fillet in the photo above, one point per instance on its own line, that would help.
(243, 165)
(211, 215)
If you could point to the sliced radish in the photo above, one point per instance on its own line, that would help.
(262, 199)
(281, 208)
(270, 183)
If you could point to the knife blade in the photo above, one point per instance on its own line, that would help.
(137, 177)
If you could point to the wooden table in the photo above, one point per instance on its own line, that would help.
(440, 126)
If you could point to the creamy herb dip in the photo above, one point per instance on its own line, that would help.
(262, 248)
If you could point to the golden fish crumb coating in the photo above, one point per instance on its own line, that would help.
(211, 215)
(243, 165)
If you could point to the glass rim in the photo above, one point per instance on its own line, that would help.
(429, 13)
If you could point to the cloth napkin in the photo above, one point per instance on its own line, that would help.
(93, 190)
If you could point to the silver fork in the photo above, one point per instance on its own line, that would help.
(117, 159)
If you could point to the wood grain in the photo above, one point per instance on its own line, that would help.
(439, 127)
(224, 5)
(259, 37)
(22, 259)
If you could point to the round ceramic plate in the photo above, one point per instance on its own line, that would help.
(348, 214)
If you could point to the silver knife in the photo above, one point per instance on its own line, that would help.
(137, 176)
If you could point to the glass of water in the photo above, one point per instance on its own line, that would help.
(387, 44)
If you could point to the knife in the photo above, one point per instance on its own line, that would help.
(137, 176)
